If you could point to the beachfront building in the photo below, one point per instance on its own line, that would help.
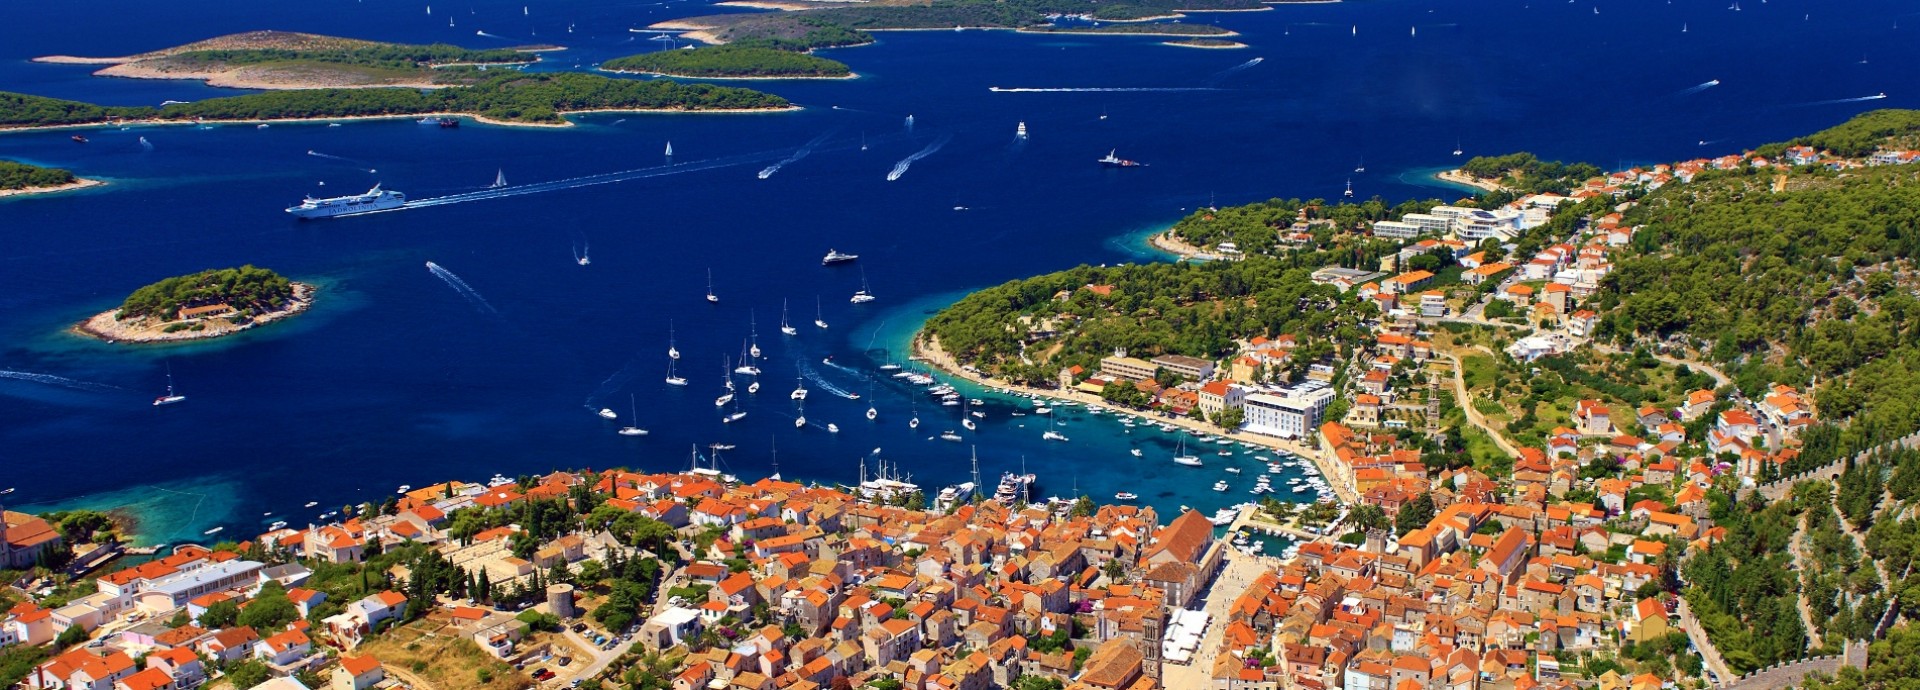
(1394, 229)
(1119, 365)
(1219, 395)
(24, 538)
(1292, 413)
(1188, 368)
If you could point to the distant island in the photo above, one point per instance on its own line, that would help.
(849, 24)
(20, 178)
(506, 98)
(287, 60)
(1137, 30)
(208, 304)
(756, 59)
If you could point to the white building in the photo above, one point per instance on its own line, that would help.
(1294, 413)
(1394, 229)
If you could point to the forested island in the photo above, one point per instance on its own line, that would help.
(752, 59)
(507, 97)
(20, 178)
(1153, 29)
(848, 23)
(208, 304)
(1214, 43)
(287, 60)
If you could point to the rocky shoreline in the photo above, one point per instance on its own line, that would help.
(104, 326)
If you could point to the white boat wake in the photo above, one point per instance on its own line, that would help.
(591, 180)
(472, 296)
(342, 159)
(797, 155)
(60, 381)
(1230, 71)
(1103, 89)
(1838, 101)
(900, 168)
(1697, 89)
(826, 385)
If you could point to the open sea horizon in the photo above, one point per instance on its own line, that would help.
(399, 375)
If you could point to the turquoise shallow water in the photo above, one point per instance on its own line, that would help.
(397, 378)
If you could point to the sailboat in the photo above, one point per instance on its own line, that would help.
(672, 352)
(1349, 192)
(863, 141)
(633, 429)
(674, 379)
(581, 257)
(499, 179)
(1362, 167)
(785, 327)
(966, 419)
(862, 297)
(872, 414)
(817, 321)
(800, 422)
(1051, 434)
(734, 416)
(799, 389)
(710, 296)
(746, 365)
(753, 334)
(1456, 147)
(914, 423)
(1182, 458)
(171, 397)
(669, 149)
(726, 397)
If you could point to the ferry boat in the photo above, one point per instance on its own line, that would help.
(1115, 161)
(373, 200)
(835, 257)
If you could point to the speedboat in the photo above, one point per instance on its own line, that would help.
(833, 428)
(1220, 486)
(608, 414)
(1136, 452)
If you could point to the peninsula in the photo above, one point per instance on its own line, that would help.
(849, 25)
(508, 98)
(20, 179)
(208, 304)
(287, 60)
(753, 59)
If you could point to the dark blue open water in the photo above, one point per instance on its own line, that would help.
(395, 378)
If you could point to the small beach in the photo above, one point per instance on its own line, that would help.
(68, 187)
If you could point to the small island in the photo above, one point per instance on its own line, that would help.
(756, 59)
(208, 304)
(1207, 43)
(288, 60)
(505, 98)
(20, 178)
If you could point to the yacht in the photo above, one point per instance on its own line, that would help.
(800, 422)
(1136, 452)
(1125, 496)
(309, 504)
(608, 414)
(835, 257)
(1220, 486)
(373, 200)
(800, 391)
(1114, 161)
(949, 435)
(1233, 470)
(863, 296)
(1021, 131)
(1183, 458)
(833, 428)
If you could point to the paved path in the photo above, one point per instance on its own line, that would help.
(1239, 573)
(600, 659)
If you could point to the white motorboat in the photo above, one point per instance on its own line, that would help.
(800, 422)
(1136, 452)
(800, 390)
(1233, 470)
(608, 414)
(833, 428)
(1125, 496)
(1220, 486)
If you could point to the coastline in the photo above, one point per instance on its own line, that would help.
(848, 75)
(359, 118)
(103, 326)
(927, 350)
(1456, 176)
(77, 184)
(1155, 34)
(1231, 45)
(1166, 242)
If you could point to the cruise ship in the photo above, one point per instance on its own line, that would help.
(373, 200)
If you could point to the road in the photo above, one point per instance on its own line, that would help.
(600, 659)
(1474, 417)
(1239, 572)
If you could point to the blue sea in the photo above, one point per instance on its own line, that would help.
(401, 376)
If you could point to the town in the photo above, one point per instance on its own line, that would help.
(1512, 500)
